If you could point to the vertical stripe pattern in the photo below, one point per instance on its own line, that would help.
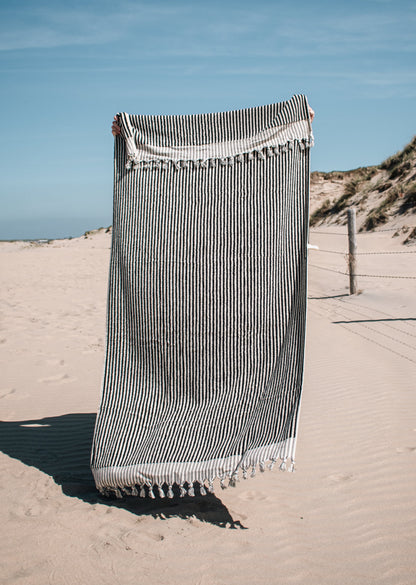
(207, 299)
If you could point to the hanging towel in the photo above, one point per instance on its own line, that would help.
(206, 301)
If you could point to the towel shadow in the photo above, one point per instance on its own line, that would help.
(60, 447)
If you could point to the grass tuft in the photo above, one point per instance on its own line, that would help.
(411, 238)
(409, 198)
(320, 213)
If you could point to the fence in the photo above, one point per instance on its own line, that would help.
(351, 256)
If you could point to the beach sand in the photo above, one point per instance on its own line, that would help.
(348, 514)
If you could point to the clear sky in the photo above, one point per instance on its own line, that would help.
(68, 66)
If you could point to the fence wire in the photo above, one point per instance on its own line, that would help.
(363, 275)
(370, 233)
(364, 253)
(372, 253)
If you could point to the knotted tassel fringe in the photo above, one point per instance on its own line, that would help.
(204, 486)
(133, 162)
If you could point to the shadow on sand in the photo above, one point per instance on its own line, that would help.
(328, 297)
(60, 447)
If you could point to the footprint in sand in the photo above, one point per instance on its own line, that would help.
(4, 392)
(59, 379)
(340, 477)
(55, 362)
(253, 495)
(156, 537)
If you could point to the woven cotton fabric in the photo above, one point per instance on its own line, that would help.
(206, 301)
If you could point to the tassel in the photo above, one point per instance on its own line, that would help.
(269, 151)
(151, 494)
(262, 466)
(276, 150)
(204, 164)
(239, 158)
(183, 491)
(233, 480)
(134, 491)
(170, 492)
(202, 490)
(292, 466)
(231, 162)
(118, 494)
(250, 156)
(211, 486)
(271, 465)
(223, 162)
(260, 155)
(244, 473)
(222, 482)
(253, 471)
(282, 466)
(212, 162)
(191, 490)
(142, 492)
(161, 492)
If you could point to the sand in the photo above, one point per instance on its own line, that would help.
(348, 514)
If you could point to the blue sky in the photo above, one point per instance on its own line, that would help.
(68, 67)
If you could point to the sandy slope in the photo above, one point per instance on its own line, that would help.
(347, 516)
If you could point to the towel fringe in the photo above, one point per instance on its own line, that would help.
(205, 486)
(134, 162)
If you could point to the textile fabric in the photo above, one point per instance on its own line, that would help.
(206, 301)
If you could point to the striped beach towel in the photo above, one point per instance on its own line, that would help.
(207, 300)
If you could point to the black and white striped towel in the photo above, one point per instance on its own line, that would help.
(207, 299)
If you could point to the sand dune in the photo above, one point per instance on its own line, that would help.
(347, 516)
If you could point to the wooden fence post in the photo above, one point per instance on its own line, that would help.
(352, 249)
